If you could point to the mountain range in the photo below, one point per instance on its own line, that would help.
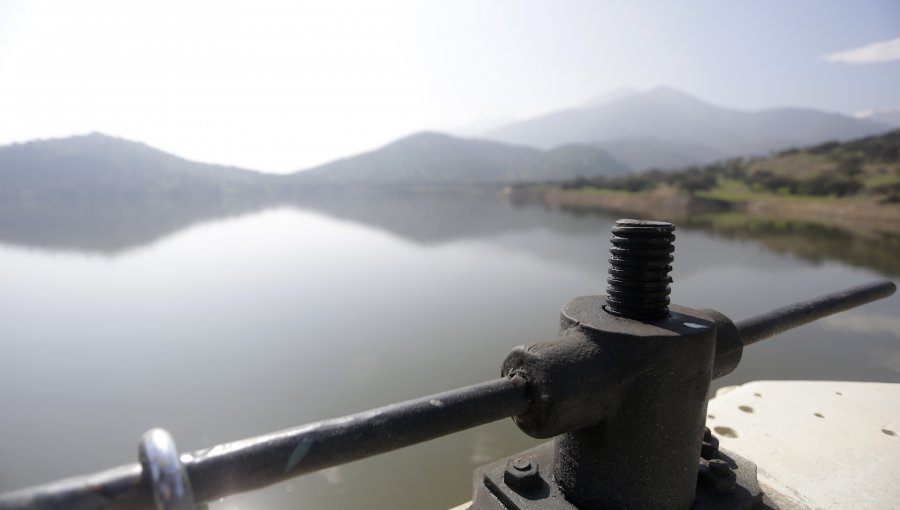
(627, 131)
(667, 128)
(101, 166)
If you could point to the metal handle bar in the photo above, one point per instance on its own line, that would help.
(777, 321)
(263, 460)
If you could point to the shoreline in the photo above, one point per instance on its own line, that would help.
(668, 204)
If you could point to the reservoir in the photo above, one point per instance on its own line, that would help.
(249, 319)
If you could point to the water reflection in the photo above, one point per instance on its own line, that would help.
(428, 219)
(873, 246)
(326, 306)
(863, 246)
(110, 228)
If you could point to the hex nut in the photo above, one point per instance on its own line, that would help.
(719, 467)
(710, 447)
(521, 474)
(718, 476)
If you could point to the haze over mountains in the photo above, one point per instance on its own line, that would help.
(434, 158)
(666, 128)
(626, 131)
(98, 166)
(890, 116)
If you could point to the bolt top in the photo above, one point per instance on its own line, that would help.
(719, 466)
(639, 265)
(642, 227)
(643, 223)
(522, 464)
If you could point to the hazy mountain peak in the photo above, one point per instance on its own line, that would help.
(424, 136)
(86, 144)
(629, 94)
(97, 136)
(672, 97)
(690, 129)
(613, 95)
(668, 91)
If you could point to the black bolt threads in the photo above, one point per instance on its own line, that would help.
(639, 264)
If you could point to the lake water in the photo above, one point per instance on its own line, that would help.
(228, 323)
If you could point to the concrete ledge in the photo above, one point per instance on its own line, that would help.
(820, 444)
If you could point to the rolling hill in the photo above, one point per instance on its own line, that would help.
(439, 159)
(100, 166)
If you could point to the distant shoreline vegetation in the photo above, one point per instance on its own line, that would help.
(859, 179)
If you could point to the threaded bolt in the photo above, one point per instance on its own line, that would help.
(639, 264)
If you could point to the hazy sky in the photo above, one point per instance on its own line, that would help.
(283, 85)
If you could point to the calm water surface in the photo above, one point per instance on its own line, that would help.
(222, 326)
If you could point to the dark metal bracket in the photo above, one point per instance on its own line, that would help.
(526, 482)
(534, 488)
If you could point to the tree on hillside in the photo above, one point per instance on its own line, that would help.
(830, 183)
(694, 180)
(850, 166)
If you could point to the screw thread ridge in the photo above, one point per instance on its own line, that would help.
(639, 265)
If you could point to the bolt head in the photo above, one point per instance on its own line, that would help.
(718, 476)
(522, 474)
(719, 467)
(709, 449)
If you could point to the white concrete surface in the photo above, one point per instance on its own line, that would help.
(821, 444)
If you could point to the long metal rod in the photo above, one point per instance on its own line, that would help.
(777, 321)
(264, 460)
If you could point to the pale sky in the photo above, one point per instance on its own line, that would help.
(283, 85)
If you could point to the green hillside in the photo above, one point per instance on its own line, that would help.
(864, 169)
